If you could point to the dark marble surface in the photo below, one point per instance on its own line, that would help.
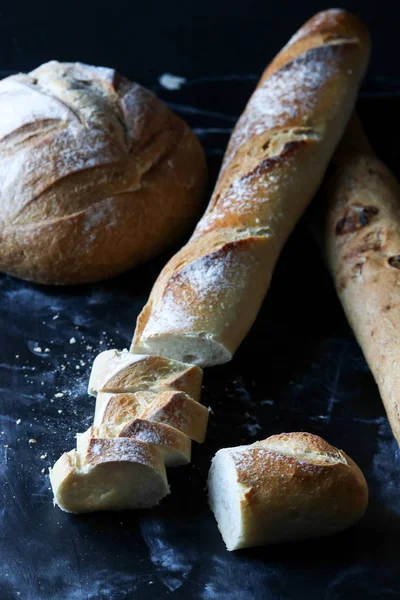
(299, 369)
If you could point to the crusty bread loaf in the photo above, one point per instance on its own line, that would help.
(174, 446)
(109, 474)
(207, 297)
(115, 371)
(171, 408)
(287, 487)
(96, 174)
(361, 242)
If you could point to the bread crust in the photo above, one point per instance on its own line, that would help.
(116, 372)
(274, 163)
(175, 409)
(292, 486)
(361, 241)
(96, 174)
(109, 474)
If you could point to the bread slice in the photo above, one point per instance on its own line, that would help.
(118, 408)
(287, 487)
(115, 371)
(174, 446)
(171, 408)
(109, 474)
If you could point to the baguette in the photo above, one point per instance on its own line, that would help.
(175, 409)
(361, 242)
(287, 487)
(173, 445)
(208, 295)
(109, 474)
(115, 371)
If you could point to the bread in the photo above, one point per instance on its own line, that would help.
(137, 431)
(115, 371)
(109, 474)
(174, 446)
(96, 174)
(288, 487)
(207, 297)
(360, 235)
(170, 408)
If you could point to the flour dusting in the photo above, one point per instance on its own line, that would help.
(171, 82)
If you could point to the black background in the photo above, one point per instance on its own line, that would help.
(299, 369)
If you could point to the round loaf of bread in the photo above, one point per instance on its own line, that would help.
(288, 487)
(96, 174)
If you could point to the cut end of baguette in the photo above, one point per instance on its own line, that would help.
(112, 474)
(202, 351)
(286, 488)
(225, 495)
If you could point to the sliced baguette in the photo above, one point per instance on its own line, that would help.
(287, 487)
(174, 446)
(109, 474)
(171, 408)
(115, 371)
(117, 408)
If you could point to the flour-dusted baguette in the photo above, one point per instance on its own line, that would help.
(361, 242)
(115, 371)
(170, 408)
(96, 174)
(109, 474)
(287, 487)
(174, 446)
(207, 297)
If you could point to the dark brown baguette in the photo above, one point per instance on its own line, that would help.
(361, 242)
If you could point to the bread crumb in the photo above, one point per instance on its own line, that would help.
(89, 347)
(72, 340)
(37, 349)
(55, 317)
(43, 470)
(44, 456)
(17, 356)
(63, 367)
(32, 441)
(210, 410)
(58, 395)
(171, 82)
(5, 445)
(77, 367)
(59, 411)
(18, 421)
(47, 349)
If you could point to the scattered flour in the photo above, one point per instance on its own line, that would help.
(171, 82)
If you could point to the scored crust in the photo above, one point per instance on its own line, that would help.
(207, 297)
(96, 174)
(287, 487)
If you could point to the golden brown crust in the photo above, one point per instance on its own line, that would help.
(175, 409)
(295, 486)
(362, 248)
(273, 165)
(96, 174)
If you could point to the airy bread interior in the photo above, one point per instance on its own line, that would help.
(195, 349)
(224, 496)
